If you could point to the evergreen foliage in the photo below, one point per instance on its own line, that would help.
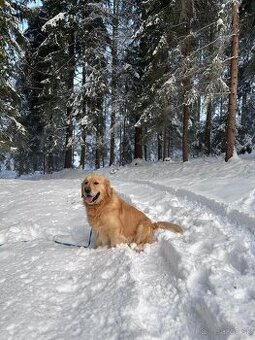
(91, 83)
(11, 41)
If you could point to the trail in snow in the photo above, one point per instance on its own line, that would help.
(196, 265)
(196, 286)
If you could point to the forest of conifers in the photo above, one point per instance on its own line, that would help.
(96, 83)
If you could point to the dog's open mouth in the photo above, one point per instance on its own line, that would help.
(90, 198)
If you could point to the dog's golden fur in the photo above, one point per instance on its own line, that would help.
(113, 220)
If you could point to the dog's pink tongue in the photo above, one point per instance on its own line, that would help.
(88, 199)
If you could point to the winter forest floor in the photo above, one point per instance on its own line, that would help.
(196, 286)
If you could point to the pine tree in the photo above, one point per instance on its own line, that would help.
(93, 40)
(30, 157)
(62, 50)
(11, 130)
(114, 80)
(44, 93)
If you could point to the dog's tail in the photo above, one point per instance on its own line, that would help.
(168, 226)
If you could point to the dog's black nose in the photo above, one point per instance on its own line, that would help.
(87, 190)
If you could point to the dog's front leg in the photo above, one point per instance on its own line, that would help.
(98, 242)
(115, 238)
(101, 240)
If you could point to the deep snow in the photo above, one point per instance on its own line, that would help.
(197, 286)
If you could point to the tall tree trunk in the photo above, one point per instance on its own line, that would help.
(68, 142)
(145, 151)
(231, 118)
(186, 14)
(124, 142)
(69, 120)
(97, 159)
(138, 142)
(115, 23)
(164, 143)
(159, 140)
(208, 126)
(83, 132)
(83, 149)
(49, 162)
(98, 145)
(185, 133)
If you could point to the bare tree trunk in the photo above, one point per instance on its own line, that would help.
(83, 132)
(208, 126)
(169, 142)
(231, 119)
(138, 142)
(159, 139)
(185, 133)
(115, 23)
(97, 159)
(68, 142)
(99, 152)
(83, 149)
(187, 14)
(145, 151)
(123, 145)
(98, 145)
(164, 143)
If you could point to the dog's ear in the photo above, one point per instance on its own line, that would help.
(108, 188)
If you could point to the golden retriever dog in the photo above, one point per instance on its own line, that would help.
(113, 220)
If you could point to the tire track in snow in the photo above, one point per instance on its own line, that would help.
(194, 264)
(219, 208)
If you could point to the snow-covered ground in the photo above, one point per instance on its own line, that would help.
(200, 285)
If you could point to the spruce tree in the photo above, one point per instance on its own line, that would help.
(11, 130)
(93, 39)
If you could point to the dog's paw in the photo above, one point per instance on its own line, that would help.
(137, 247)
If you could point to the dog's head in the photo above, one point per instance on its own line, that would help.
(95, 189)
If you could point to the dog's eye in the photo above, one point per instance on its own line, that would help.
(96, 183)
(86, 182)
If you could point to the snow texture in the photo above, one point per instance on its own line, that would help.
(196, 286)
